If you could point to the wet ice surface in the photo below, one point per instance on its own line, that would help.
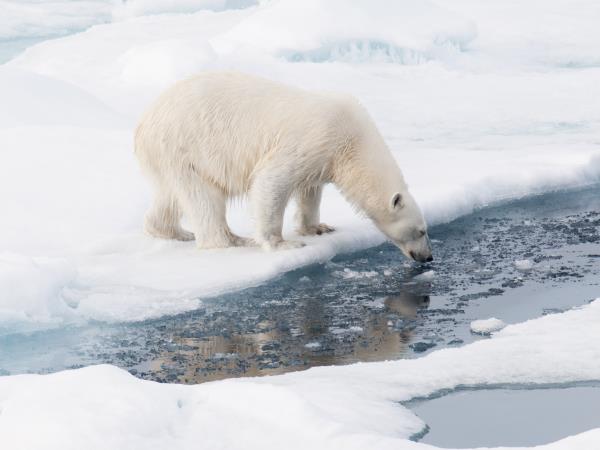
(508, 417)
(513, 262)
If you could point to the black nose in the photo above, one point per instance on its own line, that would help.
(429, 258)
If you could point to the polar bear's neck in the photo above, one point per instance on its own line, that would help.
(367, 174)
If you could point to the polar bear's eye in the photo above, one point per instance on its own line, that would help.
(422, 233)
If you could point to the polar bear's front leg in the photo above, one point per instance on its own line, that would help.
(307, 215)
(269, 196)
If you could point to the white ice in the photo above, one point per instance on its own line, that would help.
(487, 326)
(478, 104)
(344, 407)
(425, 276)
(524, 265)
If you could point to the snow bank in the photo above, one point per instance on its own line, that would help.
(404, 31)
(126, 64)
(486, 326)
(33, 291)
(349, 407)
(557, 33)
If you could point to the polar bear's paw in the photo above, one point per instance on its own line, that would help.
(183, 235)
(238, 241)
(311, 230)
(281, 245)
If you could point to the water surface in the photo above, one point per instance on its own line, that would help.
(371, 305)
(508, 417)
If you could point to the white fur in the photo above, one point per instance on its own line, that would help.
(222, 135)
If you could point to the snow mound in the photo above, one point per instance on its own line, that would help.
(487, 326)
(164, 62)
(344, 407)
(39, 100)
(127, 64)
(403, 31)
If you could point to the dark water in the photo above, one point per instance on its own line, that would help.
(365, 306)
(508, 417)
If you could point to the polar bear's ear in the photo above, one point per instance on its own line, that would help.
(396, 202)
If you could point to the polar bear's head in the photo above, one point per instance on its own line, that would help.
(404, 225)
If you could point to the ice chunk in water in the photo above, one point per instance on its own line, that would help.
(425, 276)
(524, 265)
(487, 326)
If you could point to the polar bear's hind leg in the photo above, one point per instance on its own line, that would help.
(163, 218)
(205, 207)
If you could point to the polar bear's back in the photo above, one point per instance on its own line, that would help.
(225, 126)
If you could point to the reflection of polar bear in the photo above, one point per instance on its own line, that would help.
(221, 135)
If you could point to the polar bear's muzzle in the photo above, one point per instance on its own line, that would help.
(418, 250)
(421, 258)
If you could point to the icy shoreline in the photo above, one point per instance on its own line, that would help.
(347, 407)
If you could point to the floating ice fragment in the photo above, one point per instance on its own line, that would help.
(487, 326)
(420, 347)
(425, 276)
(524, 265)
(312, 345)
(349, 274)
(304, 279)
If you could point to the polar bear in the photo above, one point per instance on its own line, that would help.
(220, 135)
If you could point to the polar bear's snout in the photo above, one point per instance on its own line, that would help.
(423, 256)
(418, 249)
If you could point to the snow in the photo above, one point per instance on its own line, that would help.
(479, 104)
(32, 18)
(487, 326)
(30, 302)
(136, 8)
(350, 407)
(405, 31)
(25, 18)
